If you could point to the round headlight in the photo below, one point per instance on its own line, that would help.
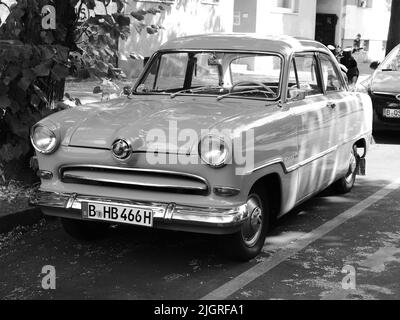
(43, 139)
(214, 151)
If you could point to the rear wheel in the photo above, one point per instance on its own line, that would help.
(249, 241)
(346, 184)
(84, 230)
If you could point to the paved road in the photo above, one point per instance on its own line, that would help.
(303, 258)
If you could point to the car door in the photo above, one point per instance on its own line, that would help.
(315, 118)
(347, 111)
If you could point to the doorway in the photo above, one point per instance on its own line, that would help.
(325, 28)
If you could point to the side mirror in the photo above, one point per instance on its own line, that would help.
(127, 91)
(374, 65)
(296, 94)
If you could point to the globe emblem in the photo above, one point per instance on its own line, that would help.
(121, 149)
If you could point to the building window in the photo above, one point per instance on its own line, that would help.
(237, 18)
(286, 6)
(210, 1)
(365, 3)
(158, 1)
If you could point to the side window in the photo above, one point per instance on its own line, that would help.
(331, 78)
(205, 74)
(172, 71)
(303, 76)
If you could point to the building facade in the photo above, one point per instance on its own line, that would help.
(274, 17)
(339, 22)
(180, 18)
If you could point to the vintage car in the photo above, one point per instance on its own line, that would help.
(221, 134)
(384, 89)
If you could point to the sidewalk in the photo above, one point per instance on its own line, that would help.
(15, 209)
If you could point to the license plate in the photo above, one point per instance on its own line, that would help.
(391, 113)
(115, 213)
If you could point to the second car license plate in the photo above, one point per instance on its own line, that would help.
(391, 113)
(116, 213)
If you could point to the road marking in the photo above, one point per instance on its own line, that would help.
(263, 267)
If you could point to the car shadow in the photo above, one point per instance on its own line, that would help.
(387, 137)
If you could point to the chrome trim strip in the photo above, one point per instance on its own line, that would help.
(307, 161)
(311, 159)
(166, 212)
(131, 183)
(270, 163)
(394, 94)
(134, 170)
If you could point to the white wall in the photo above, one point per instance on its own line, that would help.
(184, 17)
(301, 24)
(371, 23)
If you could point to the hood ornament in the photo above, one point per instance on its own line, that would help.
(121, 149)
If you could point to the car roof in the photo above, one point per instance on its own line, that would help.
(244, 42)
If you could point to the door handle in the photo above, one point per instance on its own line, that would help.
(331, 105)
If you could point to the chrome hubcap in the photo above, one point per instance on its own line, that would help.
(352, 167)
(252, 229)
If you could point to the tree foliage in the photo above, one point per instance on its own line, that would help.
(35, 62)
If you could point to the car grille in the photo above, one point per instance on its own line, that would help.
(141, 179)
(385, 100)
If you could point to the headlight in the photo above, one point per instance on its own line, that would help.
(214, 151)
(43, 139)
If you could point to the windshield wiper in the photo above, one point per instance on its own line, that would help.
(266, 93)
(195, 90)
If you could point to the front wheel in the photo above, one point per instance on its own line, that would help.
(346, 184)
(249, 241)
(84, 230)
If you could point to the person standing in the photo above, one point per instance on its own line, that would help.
(351, 64)
(357, 43)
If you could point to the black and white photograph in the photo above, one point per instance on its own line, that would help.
(199, 155)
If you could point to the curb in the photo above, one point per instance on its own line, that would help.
(23, 218)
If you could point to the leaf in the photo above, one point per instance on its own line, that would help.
(35, 100)
(136, 56)
(101, 66)
(151, 30)
(78, 102)
(40, 94)
(5, 102)
(60, 72)
(47, 37)
(153, 11)
(3, 89)
(97, 90)
(68, 96)
(42, 70)
(24, 83)
(137, 16)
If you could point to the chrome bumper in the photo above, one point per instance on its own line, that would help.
(166, 215)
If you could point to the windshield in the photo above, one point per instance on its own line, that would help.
(213, 73)
(392, 62)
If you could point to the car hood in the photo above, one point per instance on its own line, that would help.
(98, 126)
(386, 81)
